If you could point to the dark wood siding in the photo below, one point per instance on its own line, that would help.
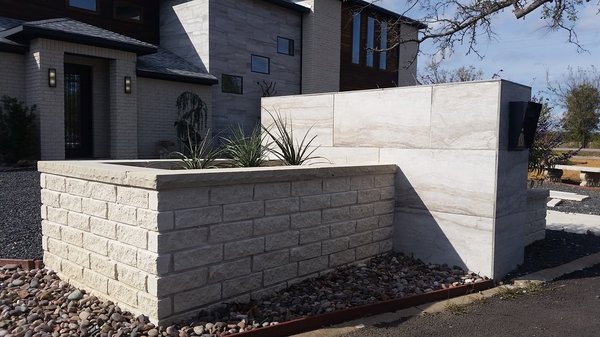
(146, 30)
(360, 76)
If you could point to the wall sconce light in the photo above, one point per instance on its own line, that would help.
(127, 84)
(52, 78)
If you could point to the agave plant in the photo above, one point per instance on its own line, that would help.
(288, 149)
(245, 151)
(198, 153)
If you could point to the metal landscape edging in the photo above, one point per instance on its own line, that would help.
(305, 324)
(27, 264)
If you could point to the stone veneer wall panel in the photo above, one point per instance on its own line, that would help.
(167, 243)
(536, 215)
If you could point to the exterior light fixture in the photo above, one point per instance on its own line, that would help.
(52, 78)
(127, 84)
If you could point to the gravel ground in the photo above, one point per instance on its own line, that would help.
(37, 301)
(588, 206)
(559, 247)
(20, 222)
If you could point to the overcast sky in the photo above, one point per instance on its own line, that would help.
(524, 49)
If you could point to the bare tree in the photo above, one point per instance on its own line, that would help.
(434, 73)
(466, 21)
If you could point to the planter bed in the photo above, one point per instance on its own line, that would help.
(168, 243)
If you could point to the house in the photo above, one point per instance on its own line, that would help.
(105, 74)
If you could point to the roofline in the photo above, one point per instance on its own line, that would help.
(13, 48)
(28, 32)
(290, 5)
(176, 78)
(418, 24)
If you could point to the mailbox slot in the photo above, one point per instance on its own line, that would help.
(523, 121)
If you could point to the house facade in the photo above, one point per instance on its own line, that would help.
(105, 74)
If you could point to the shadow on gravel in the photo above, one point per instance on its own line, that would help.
(559, 247)
(584, 273)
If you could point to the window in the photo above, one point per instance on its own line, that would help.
(356, 38)
(232, 84)
(370, 40)
(88, 5)
(127, 11)
(285, 46)
(383, 46)
(260, 64)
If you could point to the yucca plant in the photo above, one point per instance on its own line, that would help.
(198, 153)
(245, 151)
(287, 149)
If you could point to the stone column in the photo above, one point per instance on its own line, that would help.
(123, 109)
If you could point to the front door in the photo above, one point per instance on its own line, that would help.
(78, 111)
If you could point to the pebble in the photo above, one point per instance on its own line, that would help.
(75, 295)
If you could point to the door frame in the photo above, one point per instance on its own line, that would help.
(86, 111)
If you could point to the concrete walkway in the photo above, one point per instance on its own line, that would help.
(573, 222)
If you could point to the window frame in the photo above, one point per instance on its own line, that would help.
(291, 46)
(241, 92)
(252, 56)
(84, 10)
(383, 45)
(356, 37)
(116, 2)
(370, 43)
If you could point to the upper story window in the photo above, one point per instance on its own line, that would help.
(383, 44)
(285, 46)
(88, 5)
(232, 84)
(128, 11)
(260, 64)
(356, 37)
(370, 40)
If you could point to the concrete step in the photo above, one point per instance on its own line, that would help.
(567, 196)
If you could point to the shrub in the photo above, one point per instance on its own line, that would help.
(197, 154)
(18, 136)
(245, 151)
(287, 148)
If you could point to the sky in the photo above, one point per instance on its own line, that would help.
(524, 49)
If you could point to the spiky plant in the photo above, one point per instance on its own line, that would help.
(245, 151)
(288, 149)
(198, 154)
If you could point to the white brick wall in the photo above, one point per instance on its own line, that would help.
(157, 112)
(173, 262)
(536, 215)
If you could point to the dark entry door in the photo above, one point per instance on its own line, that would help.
(78, 111)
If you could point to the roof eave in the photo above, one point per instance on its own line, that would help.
(290, 5)
(177, 78)
(412, 22)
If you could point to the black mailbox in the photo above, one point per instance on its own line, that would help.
(522, 123)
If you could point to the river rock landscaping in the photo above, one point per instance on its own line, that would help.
(37, 303)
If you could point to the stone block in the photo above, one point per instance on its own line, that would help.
(103, 266)
(367, 224)
(95, 208)
(95, 243)
(55, 183)
(281, 240)
(280, 274)
(79, 221)
(343, 257)
(95, 280)
(50, 198)
(384, 180)
(386, 220)
(243, 211)
(372, 195)
(248, 247)
(177, 240)
(333, 185)
(104, 228)
(134, 197)
(72, 236)
(273, 224)
(228, 270)
(383, 207)
(336, 214)
(313, 265)
(230, 231)
(58, 248)
(103, 192)
(155, 220)
(307, 187)
(71, 270)
(58, 215)
(197, 257)
(52, 262)
(172, 284)
(153, 263)
(122, 253)
(82, 188)
(198, 216)
(362, 182)
(266, 291)
(309, 235)
(367, 251)
(334, 245)
(305, 252)
(70, 202)
(383, 233)
(282, 206)
(388, 193)
(196, 298)
(270, 260)
(314, 202)
(343, 228)
(362, 211)
(51, 229)
(221, 195)
(242, 285)
(360, 239)
(178, 199)
(121, 213)
(133, 236)
(131, 277)
(306, 219)
(153, 307)
(122, 293)
(344, 198)
(271, 191)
